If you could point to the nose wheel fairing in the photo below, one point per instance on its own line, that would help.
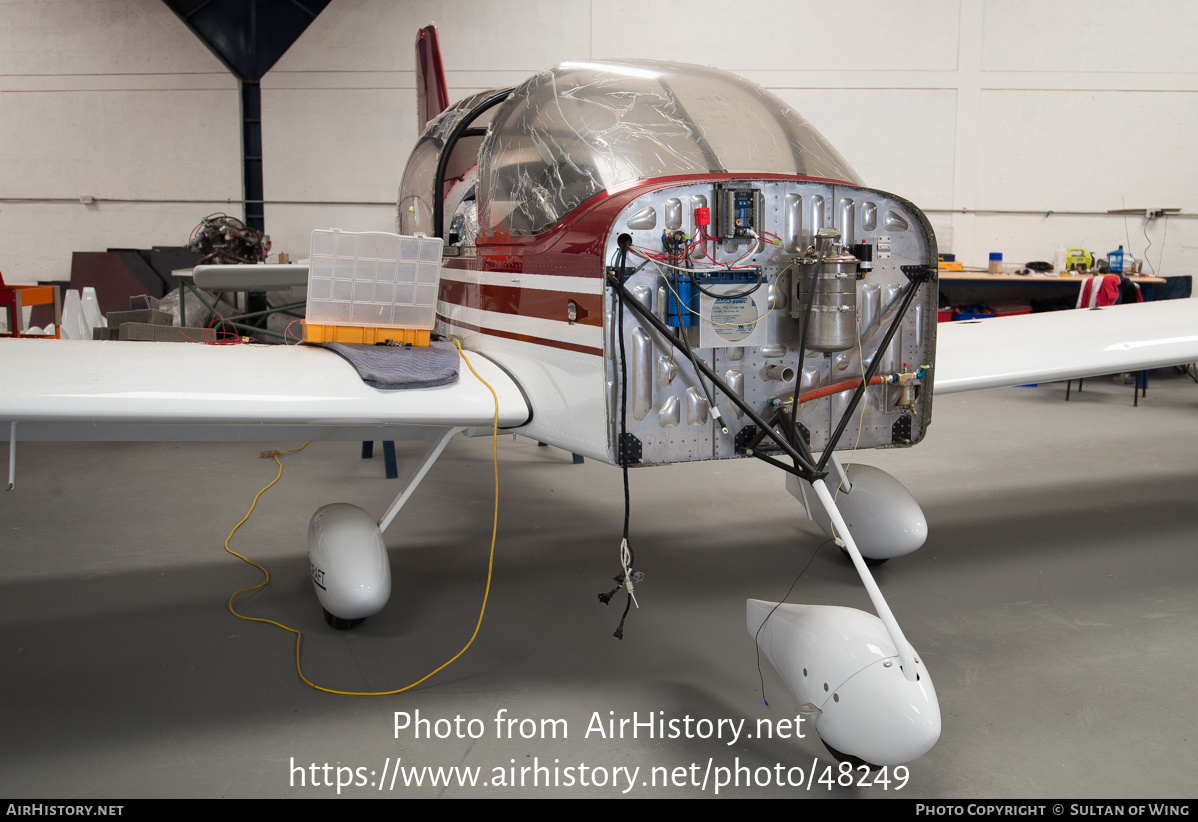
(843, 669)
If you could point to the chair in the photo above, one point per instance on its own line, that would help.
(14, 298)
(1103, 290)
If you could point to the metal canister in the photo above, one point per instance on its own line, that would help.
(833, 324)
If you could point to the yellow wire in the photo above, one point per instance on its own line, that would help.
(299, 635)
(861, 418)
(860, 423)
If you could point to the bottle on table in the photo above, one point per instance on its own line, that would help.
(1115, 261)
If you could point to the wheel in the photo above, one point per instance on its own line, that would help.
(855, 761)
(872, 563)
(339, 623)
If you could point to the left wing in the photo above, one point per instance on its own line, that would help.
(105, 390)
(1061, 345)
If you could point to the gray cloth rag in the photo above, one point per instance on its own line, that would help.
(392, 367)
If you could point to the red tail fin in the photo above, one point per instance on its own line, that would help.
(432, 98)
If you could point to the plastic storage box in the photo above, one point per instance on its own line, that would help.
(371, 286)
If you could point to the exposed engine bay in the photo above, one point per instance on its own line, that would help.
(742, 275)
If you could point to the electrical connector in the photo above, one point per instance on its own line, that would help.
(715, 415)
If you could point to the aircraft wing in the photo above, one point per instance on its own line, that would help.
(92, 390)
(1062, 345)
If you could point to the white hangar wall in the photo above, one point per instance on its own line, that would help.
(989, 114)
(115, 100)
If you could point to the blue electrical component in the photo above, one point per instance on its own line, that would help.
(738, 276)
(691, 295)
(684, 318)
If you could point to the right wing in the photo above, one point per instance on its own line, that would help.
(1061, 345)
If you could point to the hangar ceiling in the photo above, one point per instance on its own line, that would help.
(249, 36)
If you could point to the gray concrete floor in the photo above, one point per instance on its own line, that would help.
(1054, 605)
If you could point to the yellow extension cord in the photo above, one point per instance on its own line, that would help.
(299, 636)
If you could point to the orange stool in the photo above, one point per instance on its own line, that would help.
(13, 298)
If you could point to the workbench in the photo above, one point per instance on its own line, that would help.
(965, 287)
(1034, 279)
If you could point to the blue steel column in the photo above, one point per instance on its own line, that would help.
(251, 153)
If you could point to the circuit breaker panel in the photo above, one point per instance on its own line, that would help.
(743, 274)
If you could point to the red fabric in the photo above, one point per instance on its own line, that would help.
(1108, 291)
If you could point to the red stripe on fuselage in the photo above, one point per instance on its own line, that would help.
(524, 302)
(574, 247)
(527, 338)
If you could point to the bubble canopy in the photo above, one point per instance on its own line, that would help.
(578, 129)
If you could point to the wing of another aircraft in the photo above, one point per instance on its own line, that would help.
(1062, 345)
(87, 390)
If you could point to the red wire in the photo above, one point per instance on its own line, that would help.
(298, 337)
(229, 337)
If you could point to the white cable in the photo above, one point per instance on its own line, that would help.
(752, 249)
(625, 559)
(1160, 257)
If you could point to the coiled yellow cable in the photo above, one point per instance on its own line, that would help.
(299, 635)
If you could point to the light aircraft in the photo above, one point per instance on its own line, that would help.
(650, 263)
